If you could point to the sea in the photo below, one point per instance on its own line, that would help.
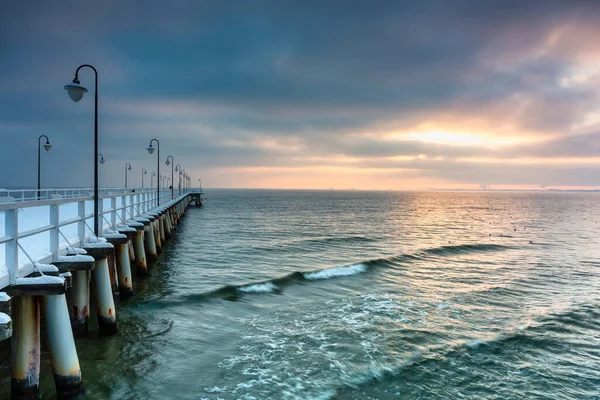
(283, 294)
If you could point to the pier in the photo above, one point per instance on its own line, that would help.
(53, 269)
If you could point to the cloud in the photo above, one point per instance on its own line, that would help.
(413, 87)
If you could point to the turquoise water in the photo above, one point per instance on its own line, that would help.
(363, 295)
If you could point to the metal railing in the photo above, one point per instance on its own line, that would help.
(59, 213)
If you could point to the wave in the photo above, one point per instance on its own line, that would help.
(315, 243)
(534, 340)
(336, 272)
(276, 285)
(465, 248)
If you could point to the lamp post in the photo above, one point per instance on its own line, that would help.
(76, 92)
(172, 181)
(144, 172)
(47, 147)
(127, 168)
(200, 183)
(150, 151)
(178, 170)
(151, 177)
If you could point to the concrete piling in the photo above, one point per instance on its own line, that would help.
(25, 348)
(156, 230)
(163, 235)
(149, 241)
(138, 247)
(120, 242)
(61, 344)
(105, 302)
(80, 302)
(80, 266)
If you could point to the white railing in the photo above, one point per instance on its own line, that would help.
(38, 230)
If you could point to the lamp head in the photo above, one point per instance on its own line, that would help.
(129, 168)
(102, 160)
(168, 162)
(145, 172)
(47, 146)
(75, 90)
(150, 149)
(176, 169)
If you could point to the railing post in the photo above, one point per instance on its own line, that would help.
(131, 200)
(11, 249)
(113, 213)
(55, 222)
(81, 223)
(100, 216)
(138, 202)
(123, 209)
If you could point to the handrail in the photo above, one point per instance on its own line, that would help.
(125, 204)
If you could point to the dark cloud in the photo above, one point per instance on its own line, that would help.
(236, 83)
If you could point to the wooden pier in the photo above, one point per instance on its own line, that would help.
(56, 287)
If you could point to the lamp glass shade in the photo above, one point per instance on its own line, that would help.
(47, 146)
(167, 162)
(129, 168)
(75, 91)
(150, 149)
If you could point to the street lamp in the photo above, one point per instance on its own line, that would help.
(144, 172)
(151, 177)
(150, 151)
(200, 182)
(178, 170)
(47, 147)
(101, 159)
(127, 168)
(76, 92)
(172, 181)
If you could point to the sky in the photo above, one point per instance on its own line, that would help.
(401, 95)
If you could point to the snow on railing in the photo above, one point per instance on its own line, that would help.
(44, 227)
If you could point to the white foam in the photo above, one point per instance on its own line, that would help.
(336, 272)
(267, 287)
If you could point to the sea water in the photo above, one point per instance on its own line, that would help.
(361, 295)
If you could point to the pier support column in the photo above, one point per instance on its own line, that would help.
(163, 229)
(25, 348)
(157, 235)
(63, 354)
(112, 273)
(80, 301)
(168, 222)
(105, 302)
(149, 241)
(138, 248)
(125, 283)
(124, 270)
